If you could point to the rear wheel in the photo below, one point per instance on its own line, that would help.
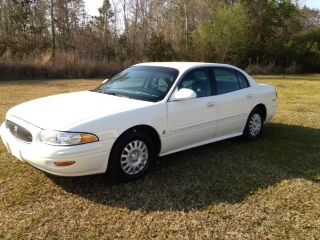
(131, 156)
(254, 125)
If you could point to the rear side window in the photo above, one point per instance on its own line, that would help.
(243, 81)
(227, 80)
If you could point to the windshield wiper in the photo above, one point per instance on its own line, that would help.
(96, 90)
(146, 94)
(116, 94)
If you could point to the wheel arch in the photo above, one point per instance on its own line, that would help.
(152, 132)
(263, 109)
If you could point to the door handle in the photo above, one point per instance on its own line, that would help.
(249, 96)
(211, 104)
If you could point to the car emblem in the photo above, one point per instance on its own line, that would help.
(15, 130)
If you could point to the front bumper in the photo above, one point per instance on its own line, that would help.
(89, 158)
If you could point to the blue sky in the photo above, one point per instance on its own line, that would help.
(313, 3)
(93, 5)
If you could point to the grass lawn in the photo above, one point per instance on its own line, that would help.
(267, 189)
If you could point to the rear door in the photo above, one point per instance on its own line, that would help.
(235, 99)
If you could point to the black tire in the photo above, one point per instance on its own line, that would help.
(116, 169)
(252, 131)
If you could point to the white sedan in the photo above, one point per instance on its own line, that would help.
(148, 110)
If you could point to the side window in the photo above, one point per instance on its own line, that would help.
(227, 80)
(243, 81)
(199, 81)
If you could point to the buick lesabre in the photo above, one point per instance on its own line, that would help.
(146, 111)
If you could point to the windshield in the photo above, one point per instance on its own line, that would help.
(141, 82)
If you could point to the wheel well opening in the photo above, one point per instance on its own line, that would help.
(263, 110)
(148, 130)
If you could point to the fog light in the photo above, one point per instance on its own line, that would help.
(64, 164)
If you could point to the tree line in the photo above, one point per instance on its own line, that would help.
(60, 37)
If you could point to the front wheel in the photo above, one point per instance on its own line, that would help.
(131, 156)
(254, 125)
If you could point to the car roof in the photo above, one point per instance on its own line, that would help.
(183, 65)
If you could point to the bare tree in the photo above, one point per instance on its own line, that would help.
(53, 30)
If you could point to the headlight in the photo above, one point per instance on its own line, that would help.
(66, 138)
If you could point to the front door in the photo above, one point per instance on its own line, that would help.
(194, 120)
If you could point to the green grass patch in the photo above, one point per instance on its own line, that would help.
(267, 189)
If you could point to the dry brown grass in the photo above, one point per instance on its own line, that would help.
(64, 65)
(267, 189)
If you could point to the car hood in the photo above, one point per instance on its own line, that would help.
(63, 111)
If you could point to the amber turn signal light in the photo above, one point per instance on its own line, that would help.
(64, 164)
(88, 138)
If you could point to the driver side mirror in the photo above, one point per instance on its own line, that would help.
(184, 94)
(104, 81)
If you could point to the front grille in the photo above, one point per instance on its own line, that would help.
(19, 132)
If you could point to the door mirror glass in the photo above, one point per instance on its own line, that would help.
(184, 94)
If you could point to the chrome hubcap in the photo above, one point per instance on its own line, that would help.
(134, 157)
(255, 124)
